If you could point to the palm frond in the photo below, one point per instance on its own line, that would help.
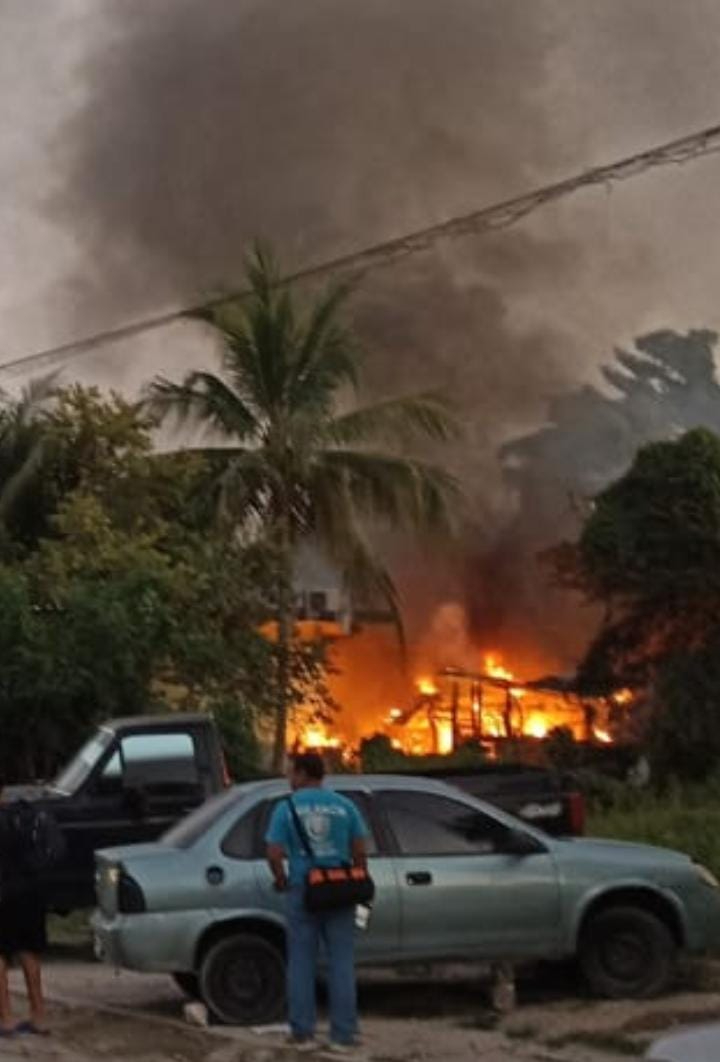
(336, 524)
(405, 419)
(399, 491)
(20, 479)
(23, 443)
(203, 398)
(327, 356)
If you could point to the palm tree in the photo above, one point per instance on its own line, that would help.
(22, 442)
(295, 460)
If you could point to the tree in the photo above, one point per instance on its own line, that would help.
(649, 552)
(23, 449)
(120, 593)
(662, 385)
(290, 459)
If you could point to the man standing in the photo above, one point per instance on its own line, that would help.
(22, 916)
(337, 834)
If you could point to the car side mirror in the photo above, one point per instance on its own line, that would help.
(518, 843)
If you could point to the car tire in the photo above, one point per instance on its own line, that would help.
(627, 952)
(188, 983)
(242, 980)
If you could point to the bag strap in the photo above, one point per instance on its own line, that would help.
(301, 831)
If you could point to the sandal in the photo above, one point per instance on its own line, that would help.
(29, 1028)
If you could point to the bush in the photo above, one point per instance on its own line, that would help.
(686, 818)
(239, 738)
(377, 756)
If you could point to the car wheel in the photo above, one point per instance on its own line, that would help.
(188, 983)
(242, 980)
(627, 952)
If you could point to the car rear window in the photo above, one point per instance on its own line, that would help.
(246, 839)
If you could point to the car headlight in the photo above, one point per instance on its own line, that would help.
(707, 876)
(113, 875)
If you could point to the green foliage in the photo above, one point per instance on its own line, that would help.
(686, 818)
(238, 732)
(650, 551)
(378, 756)
(685, 731)
(655, 533)
(120, 594)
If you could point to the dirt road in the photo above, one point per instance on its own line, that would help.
(101, 1015)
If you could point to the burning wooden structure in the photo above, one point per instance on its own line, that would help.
(492, 706)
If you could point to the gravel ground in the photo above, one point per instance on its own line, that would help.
(412, 1018)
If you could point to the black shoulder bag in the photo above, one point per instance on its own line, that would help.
(331, 888)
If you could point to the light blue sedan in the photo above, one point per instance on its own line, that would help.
(456, 879)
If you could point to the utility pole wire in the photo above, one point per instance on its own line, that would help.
(487, 219)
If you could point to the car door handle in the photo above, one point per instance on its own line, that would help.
(419, 877)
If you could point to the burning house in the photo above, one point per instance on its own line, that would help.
(493, 707)
(442, 695)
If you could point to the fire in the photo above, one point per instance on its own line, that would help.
(536, 727)
(445, 707)
(444, 737)
(317, 737)
(493, 668)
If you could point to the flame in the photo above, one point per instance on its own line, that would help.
(445, 742)
(449, 707)
(317, 737)
(493, 668)
(536, 727)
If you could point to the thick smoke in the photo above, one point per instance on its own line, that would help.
(327, 126)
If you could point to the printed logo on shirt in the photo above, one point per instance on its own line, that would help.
(318, 827)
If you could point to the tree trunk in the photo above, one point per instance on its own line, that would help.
(284, 650)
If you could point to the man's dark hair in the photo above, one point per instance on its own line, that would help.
(310, 764)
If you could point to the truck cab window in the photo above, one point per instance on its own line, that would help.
(161, 763)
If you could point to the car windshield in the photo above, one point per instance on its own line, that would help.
(189, 830)
(79, 769)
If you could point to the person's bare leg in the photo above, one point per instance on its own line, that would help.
(32, 971)
(6, 1019)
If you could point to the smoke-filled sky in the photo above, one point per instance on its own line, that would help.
(143, 143)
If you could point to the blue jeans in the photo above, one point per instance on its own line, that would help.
(336, 931)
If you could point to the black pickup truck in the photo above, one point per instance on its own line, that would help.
(129, 783)
(136, 777)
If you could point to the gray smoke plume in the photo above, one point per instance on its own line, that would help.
(327, 126)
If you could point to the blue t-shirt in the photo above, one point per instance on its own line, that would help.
(331, 823)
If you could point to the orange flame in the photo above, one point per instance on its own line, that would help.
(493, 668)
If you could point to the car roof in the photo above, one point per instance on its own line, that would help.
(371, 782)
(150, 721)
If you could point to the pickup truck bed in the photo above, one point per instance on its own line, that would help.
(535, 794)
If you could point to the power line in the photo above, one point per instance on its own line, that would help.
(497, 216)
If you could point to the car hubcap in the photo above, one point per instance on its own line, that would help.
(625, 956)
(245, 982)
